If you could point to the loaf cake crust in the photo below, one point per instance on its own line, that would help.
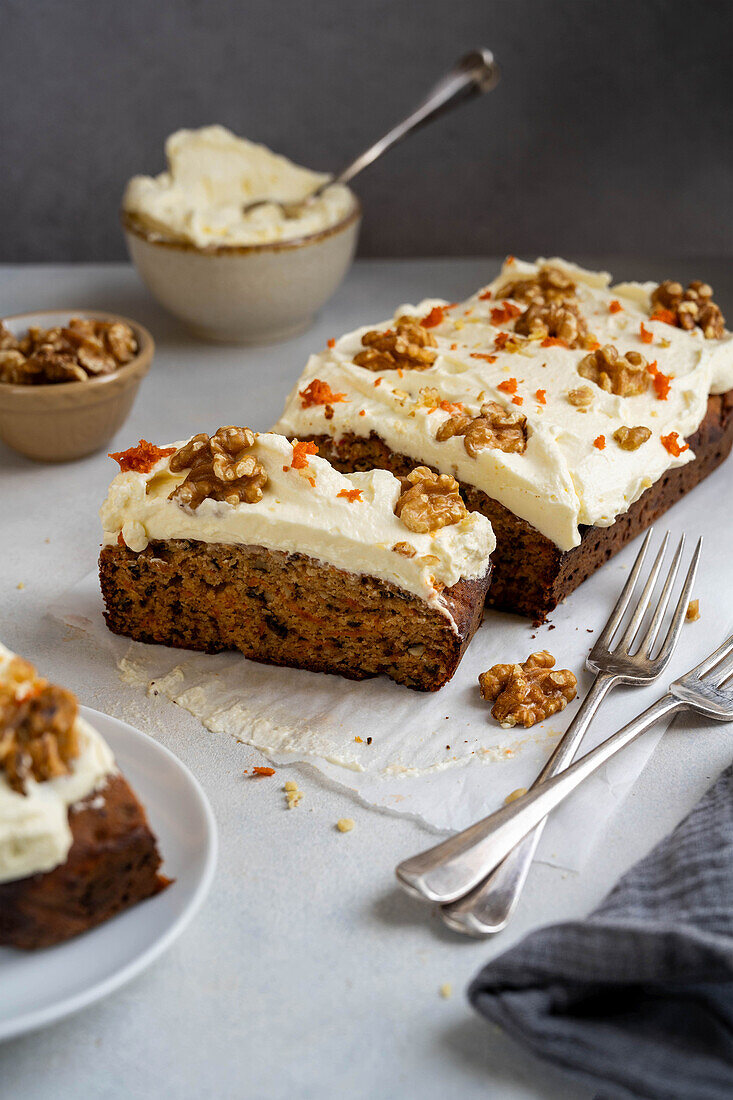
(531, 575)
(112, 865)
(286, 609)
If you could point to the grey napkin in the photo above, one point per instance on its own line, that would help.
(636, 1000)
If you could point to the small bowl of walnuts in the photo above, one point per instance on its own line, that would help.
(68, 380)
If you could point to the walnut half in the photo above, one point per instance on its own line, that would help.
(38, 734)
(220, 467)
(690, 308)
(557, 320)
(493, 427)
(625, 375)
(429, 501)
(548, 284)
(408, 346)
(527, 693)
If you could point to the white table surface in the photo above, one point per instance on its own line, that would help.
(307, 973)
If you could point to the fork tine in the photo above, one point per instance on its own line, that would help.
(604, 639)
(629, 634)
(647, 642)
(680, 610)
(701, 670)
(722, 671)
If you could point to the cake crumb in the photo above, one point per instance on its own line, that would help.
(693, 611)
(20, 584)
(515, 795)
(345, 824)
(292, 794)
(446, 990)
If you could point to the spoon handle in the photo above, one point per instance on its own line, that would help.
(473, 75)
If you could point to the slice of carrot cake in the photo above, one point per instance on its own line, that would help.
(250, 542)
(572, 412)
(75, 845)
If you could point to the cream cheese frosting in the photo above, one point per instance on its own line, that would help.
(212, 174)
(34, 826)
(306, 511)
(564, 479)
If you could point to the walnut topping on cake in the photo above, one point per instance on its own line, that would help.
(581, 398)
(630, 439)
(548, 284)
(555, 320)
(493, 427)
(625, 375)
(407, 346)
(38, 735)
(429, 501)
(72, 353)
(220, 467)
(527, 693)
(691, 308)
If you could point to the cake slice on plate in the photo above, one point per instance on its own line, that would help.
(75, 845)
(572, 412)
(250, 542)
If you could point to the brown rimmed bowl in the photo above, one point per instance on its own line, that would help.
(245, 294)
(61, 421)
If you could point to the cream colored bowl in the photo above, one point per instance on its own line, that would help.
(65, 420)
(245, 294)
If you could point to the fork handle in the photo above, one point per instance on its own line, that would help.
(487, 908)
(452, 868)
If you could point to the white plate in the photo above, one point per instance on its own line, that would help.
(40, 987)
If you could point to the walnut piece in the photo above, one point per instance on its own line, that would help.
(693, 611)
(221, 467)
(406, 549)
(625, 375)
(38, 734)
(581, 398)
(408, 346)
(630, 439)
(554, 320)
(549, 284)
(493, 427)
(691, 308)
(429, 501)
(81, 350)
(527, 693)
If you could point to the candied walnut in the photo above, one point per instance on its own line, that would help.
(581, 398)
(527, 693)
(625, 375)
(689, 308)
(554, 320)
(221, 467)
(630, 439)
(429, 501)
(38, 735)
(493, 427)
(548, 284)
(74, 353)
(408, 346)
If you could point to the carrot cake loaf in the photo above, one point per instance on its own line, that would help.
(75, 846)
(248, 541)
(572, 412)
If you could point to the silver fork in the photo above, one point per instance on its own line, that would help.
(453, 869)
(704, 689)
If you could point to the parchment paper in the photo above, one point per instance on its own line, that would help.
(438, 757)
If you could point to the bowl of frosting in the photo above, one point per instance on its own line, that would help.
(231, 274)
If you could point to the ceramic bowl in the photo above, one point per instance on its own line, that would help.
(245, 294)
(66, 420)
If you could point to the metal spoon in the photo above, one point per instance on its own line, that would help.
(473, 75)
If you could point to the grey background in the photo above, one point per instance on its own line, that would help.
(610, 131)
